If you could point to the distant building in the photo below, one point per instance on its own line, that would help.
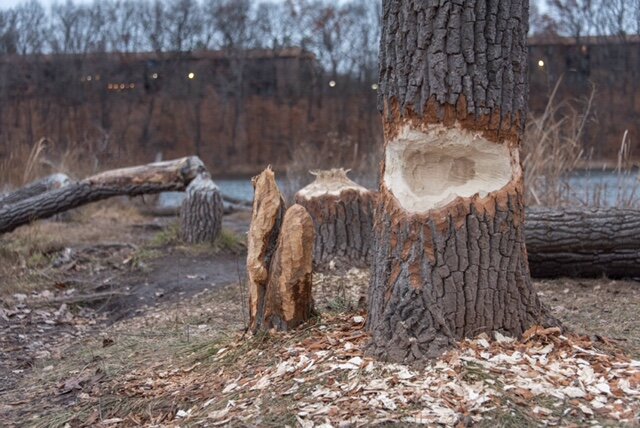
(610, 66)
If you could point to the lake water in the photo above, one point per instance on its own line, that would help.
(601, 188)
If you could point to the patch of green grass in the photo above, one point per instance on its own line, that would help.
(168, 236)
(338, 304)
(230, 242)
(140, 258)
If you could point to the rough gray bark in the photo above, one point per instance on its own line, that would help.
(201, 211)
(461, 269)
(583, 243)
(35, 188)
(151, 178)
(342, 213)
(464, 60)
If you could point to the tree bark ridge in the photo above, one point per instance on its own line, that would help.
(201, 211)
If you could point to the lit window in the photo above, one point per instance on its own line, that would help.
(540, 63)
(121, 86)
(374, 86)
(154, 76)
(132, 85)
(88, 78)
(191, 75)
(332, 83)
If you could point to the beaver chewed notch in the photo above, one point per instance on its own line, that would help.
(428, 170)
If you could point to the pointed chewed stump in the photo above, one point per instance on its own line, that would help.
(279, 259)
(342, 213)
(449, 249)
(201, 211)
(289, 300)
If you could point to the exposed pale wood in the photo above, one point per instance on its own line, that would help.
(583, 243)
(342, 213)
(289, 300)
(201, 211)
(268, 210)
(35, 188)
(151, 178)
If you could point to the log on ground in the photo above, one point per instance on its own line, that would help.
(583, 243)
(35, 188)
(201, 211)
(139, 180)
(342, 213)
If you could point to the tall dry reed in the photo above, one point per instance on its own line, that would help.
(557, 166)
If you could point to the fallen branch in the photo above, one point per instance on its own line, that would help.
(152, 178)
(35, 188)
(583, 243)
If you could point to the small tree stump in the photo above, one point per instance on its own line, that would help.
(266, 218)
(342, 212)
(279, 259)
(289, 301)
(201, 211)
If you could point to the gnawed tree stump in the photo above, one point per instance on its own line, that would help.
(138, 180)
(289, 301)
(35, 188)
(583, 243)
(279, 259)
(201, 211)
(268, 210)
(342, 213)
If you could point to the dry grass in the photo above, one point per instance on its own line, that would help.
(26, 254)
(553, 151)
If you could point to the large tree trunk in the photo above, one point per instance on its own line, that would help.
(279, 261)
(583, 243)
(201, 211)
(151, 178)
(449, 252)
(35, 188)
(342, 213)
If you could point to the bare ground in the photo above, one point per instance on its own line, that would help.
(109, 319)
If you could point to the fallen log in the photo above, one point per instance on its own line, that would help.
(342, 213)
(138, 180)
(560, 242)
(201, 211)
(35, 188)
(583, 243)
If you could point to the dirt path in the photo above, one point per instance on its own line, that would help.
(65, 281)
